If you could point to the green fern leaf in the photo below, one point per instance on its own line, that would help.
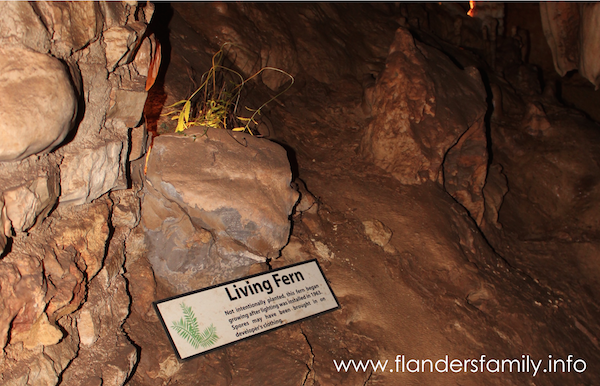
(183, 329)
(190, 319)
(209, 336)
(187, 328)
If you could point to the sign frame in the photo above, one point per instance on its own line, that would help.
(168, 332)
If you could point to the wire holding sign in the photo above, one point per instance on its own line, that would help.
(273, 300)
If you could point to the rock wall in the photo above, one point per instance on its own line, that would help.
(73, 81)
(572, 32)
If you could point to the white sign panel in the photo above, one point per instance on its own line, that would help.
(203, 320)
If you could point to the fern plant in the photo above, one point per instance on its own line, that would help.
(219, 101)
(187, 328)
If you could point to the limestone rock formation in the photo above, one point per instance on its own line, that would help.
(21, 24)
(380, 234)
(572, 31)
(4, 227)
(24, 204)
(72, 25)
(90, 173)
(465, 170)
(495, 189)
(292, 38)
(65, 148)
(38, 103)
(442, 228)
(422, 104)
(307, 201)
(229, 196)
(551, 191)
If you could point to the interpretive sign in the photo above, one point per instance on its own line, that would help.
(203, 320)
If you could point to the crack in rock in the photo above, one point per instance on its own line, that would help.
(368, 378)
(311, 363)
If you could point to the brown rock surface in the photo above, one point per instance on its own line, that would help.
(21, 24)
(71, 25)
(36, 95)
(489, 229)
(62, 289)
(552, 190)
(572, 32)
(199, 225)
(465, 170)
(446, 288)
(422, 104)
(25, 203)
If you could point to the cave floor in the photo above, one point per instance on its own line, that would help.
(425, 299)
(443, 289)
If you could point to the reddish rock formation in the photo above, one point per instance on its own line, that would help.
(435, 250)
(422, 104)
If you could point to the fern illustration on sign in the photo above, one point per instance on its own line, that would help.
(187, 328)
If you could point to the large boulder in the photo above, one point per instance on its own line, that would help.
(215, 202)
(38, 103)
